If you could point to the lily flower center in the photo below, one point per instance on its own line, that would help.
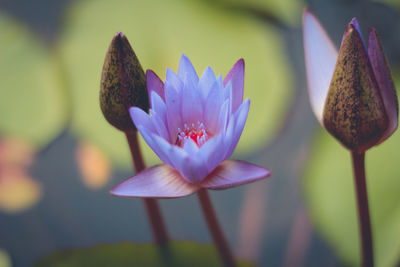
(197, 133)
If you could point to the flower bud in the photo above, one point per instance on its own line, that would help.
(354, 110)
(123, 84)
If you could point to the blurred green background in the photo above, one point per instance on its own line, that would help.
(59, 157)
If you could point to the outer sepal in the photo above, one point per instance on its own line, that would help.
(384, 78)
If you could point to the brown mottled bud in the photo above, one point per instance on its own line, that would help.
(123, 84)
(354, 111)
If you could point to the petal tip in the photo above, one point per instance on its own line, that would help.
(240, 62)
(354, 22)
(306, 12)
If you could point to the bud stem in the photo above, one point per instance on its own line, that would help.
(363, 210)
(152, 208)
(215, 229)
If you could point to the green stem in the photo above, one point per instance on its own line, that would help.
(152, 207)
(215, 229)
(363, 210)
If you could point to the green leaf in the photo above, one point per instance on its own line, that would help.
(392, 3)
(31, 100)
(329, 190)
(178, 253)
(5, 260)
(160, 31)
(288, 11)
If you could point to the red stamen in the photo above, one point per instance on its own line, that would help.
(198, 134)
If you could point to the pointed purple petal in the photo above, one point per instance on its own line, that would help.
(192, 104)
(194, 169)
(141, 118)
(173, 101)
(160, 181)
(240, 118)
(232, 173)
(158, 105)
(190, 146)
(206, 82)
(236, 75)
(173, 80)
(229, 142)
(385, 82)
(320, 56)
(224, 116)
(177, 157)
(212, 107)
(154, 84)
(228, 94)
(186, 68)
(159, 125)
(213, 152)
(159, 145)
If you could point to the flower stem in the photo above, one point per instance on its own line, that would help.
(152, 208)
(215, 229)
(363, 211)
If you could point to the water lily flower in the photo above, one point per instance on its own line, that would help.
(194, 126)
(351, 91)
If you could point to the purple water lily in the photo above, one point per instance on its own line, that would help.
(351, 91)
(194, 126)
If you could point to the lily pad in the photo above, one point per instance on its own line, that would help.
(329, 191)
(5, 260)
(129, 254)
(160, 31)
(31, 100)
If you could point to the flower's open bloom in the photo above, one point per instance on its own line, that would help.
(351, 91)
(193, 126)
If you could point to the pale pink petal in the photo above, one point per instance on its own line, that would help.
(320, 56)
(160, 181)
(154, 84)
(385, 82)
(232, 173)
(236, 76)
(186, 68)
